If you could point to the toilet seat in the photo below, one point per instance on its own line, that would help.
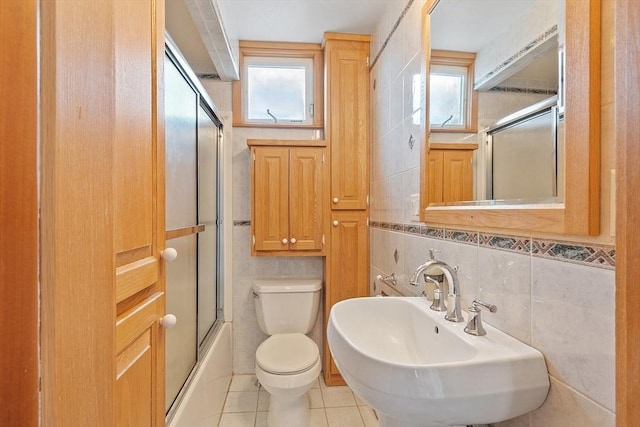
(287, 354)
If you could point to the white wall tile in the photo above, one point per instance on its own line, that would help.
(573, 322)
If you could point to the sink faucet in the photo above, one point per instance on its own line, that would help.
(454, 311)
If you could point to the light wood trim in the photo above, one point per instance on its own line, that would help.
(286, 143)
(579, 214)
(184, 231)
(19, 338)
(306, 220)
(132, 255)
(77, 242)
(328, 35)
(134, 277)
(452, 146)
(627, 104)
(281, 50)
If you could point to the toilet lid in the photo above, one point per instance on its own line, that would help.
(287, 354)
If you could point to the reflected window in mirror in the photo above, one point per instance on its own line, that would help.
(452, 100)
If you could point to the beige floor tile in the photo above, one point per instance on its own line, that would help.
(344, 417)
(241, 401)
(244, 383)
(241, 419)
(315, 398)
(318, 418)
(261, 419)
(337, 397)
(263, 400)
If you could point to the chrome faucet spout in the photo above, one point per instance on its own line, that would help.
(454, 309)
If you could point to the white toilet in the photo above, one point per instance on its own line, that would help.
(288, 362)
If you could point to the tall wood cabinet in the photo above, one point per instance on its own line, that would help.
(347, 133)
(450, 169)
(288, 194)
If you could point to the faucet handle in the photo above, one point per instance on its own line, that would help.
(474, 326)
(479, 304)
(433, 252)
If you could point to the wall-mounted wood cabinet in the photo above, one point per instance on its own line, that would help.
(450, 172)
(287, 196)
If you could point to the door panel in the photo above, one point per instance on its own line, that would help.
(305, 183)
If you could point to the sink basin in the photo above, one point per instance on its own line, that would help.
(417, 369)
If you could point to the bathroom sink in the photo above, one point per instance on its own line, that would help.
(417, 369)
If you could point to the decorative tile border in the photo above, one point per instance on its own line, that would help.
(393, 30)
(537, 41)
(241, 223)
(525, 90)
(578, 253)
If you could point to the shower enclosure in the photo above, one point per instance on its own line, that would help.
(193, 281)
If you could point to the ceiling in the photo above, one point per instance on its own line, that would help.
(189, 22)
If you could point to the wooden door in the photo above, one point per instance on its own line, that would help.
(306, 166)
(348, 265)
(270, 207)
(138, 191)
(457, 178)
(348, 121)
(435, 172)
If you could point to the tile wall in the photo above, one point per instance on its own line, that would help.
(247, 335)
(553, 293)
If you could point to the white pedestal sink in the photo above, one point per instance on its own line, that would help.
(418, 370)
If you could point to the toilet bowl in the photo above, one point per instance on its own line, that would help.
(288, 362)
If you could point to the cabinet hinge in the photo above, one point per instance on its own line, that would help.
(323, 240)
(253, 240)
(367, 61)
(367, 200)
(253, 155)
(367, 222)
(323, 158)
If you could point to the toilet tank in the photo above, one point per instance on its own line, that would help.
(287, 305)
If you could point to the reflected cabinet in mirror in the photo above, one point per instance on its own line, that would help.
(513, 96)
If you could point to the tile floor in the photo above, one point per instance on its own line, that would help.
(247, 405)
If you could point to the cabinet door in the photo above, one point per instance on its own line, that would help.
(305, 206)
(270, 198)
(348, 269)
(457, 175)
(138, 188)
(434, 180)
(348, 117)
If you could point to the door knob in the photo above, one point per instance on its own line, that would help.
(168, 321)
(335, 200)
(335, 223)
(293, 240)
(169, 254)
(285, 241)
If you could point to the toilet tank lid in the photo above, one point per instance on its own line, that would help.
(287, 285)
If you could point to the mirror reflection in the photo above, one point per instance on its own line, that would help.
(496, 102)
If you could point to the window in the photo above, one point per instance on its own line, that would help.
(280, 85)
(452, 100)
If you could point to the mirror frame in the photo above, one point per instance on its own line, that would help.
(579, 213)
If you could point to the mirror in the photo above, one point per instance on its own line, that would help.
(569, 203)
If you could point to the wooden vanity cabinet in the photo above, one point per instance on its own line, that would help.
(347, 132)
(287, 193)
(450, 169)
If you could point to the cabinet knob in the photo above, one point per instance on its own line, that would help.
(293, 240)
(168, 321)
(335, 200)
(335, 223)
(285, 241)
(169, 254)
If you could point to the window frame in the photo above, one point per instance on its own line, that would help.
(464, 60)
(279, 50)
